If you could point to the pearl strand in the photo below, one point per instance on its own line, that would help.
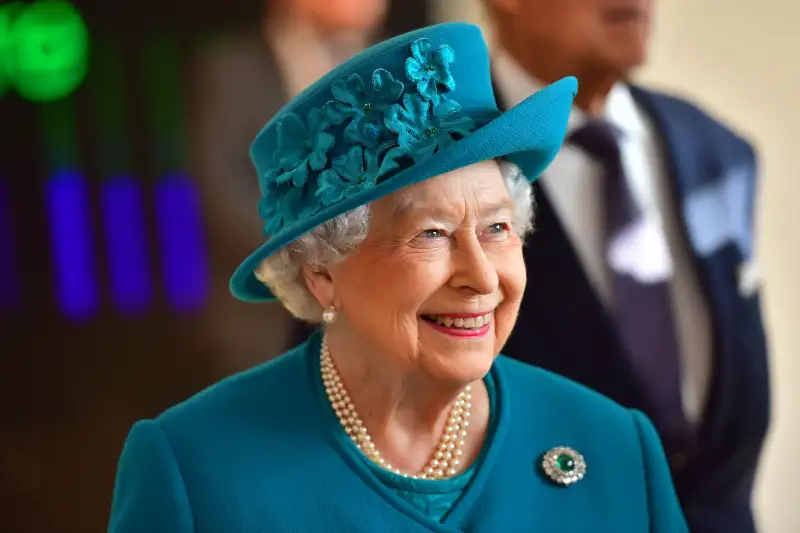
(446, 460)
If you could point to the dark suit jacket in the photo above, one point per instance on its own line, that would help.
(713, 175)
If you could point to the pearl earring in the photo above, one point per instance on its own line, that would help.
(329, 315)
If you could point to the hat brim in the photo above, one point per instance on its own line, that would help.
(529, 135)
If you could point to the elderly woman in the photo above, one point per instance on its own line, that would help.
(396, 212)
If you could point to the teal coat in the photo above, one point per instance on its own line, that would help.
(263, 452)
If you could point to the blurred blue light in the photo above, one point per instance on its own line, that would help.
(180, 233)
(69, 207)
(125, 230)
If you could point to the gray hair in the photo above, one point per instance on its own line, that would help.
(334, 240)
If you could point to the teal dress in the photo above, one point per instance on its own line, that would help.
(263, 451)
(433, 497)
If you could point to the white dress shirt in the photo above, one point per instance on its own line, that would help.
(573, 184)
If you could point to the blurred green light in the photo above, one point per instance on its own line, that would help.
(46, 51)
(7, 15)
(5, 30)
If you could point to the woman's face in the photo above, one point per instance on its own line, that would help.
(436, 285)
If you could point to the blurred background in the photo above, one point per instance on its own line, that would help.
(117, 236)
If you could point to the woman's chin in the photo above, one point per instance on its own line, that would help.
(460, 370)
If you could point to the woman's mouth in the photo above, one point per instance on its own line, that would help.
(461, 324)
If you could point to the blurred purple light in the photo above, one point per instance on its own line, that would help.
(180, 234)
(125, 228)
(9, 279)
(69, 206)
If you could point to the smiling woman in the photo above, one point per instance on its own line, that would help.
(442, 251)
(396, 213)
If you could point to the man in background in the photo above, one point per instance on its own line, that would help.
(644, 234)
(242, 81)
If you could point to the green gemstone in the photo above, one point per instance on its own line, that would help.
(565, 463)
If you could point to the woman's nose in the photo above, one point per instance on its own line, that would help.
(474, 270)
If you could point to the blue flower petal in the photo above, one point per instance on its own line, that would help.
(444, 107)
(447, 79)
(337, 112)
(421, 50)
(415, 70)
(316, 121)
(290, 157)
(385, 89)
(426, 87)
(367, 181)
(291, 130)
(323, 142)
(409, 120)
(418, 107)
(423, 151)
(371, 133)
(406, 133)
(317, 161)
(371, 163)
(354, 162)
(266, 180)
(281, 205)
(297, 176)
(331, 187)
(340, 165)
(291, 205)
(389, 161)
(349, 91)
(361, 131)
(443, 57)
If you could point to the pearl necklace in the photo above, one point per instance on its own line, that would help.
(446, 459)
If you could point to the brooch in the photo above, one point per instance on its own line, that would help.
(564, 466)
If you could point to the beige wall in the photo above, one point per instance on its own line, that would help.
(740, 61)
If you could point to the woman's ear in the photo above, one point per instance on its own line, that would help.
(320, 284)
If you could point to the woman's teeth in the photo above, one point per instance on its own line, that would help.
(463, 323)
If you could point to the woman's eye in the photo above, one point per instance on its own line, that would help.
(433, 233)
(497, 228)
(496, 231)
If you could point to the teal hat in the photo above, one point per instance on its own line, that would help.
(408, 109)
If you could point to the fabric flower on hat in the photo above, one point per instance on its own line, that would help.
(364, 106)
(281, 205)
(302, 146)
(428, 67)
(355, 171)
(424, 126)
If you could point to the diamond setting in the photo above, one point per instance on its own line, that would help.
(564, 466)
